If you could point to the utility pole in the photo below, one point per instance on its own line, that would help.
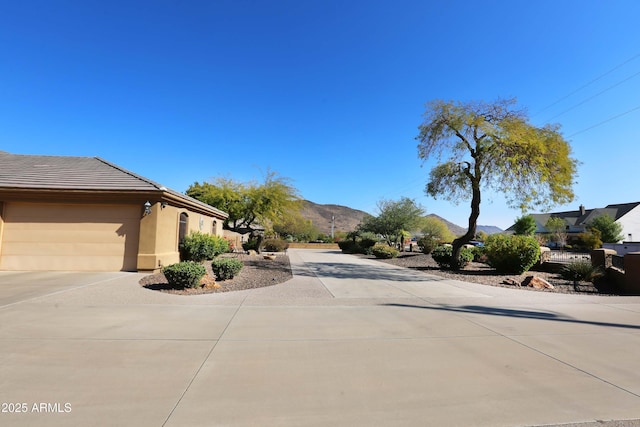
(333, 222)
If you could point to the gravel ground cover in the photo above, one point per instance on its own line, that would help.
(483, 274)
(259, 272)
(256, 273)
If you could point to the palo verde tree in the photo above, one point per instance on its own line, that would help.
(481, 145)
(395, 217)
(249, 204)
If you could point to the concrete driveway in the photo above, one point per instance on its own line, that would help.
(345, 342)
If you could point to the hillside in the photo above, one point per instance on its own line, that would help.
(347, 219)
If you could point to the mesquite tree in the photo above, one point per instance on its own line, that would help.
(493, 146)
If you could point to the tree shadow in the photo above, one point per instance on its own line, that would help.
(359, 271)
(506, 312)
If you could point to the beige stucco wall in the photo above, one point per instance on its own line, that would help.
(159, 234)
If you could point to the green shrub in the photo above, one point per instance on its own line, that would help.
(276, 245)
(226, 268)
(348, 246)
(366, 244)
(250, 245)
(185, 274)
(427, 244)
(581, 271)
(512, 254)
(479, 253)
(384, 252)
(442, 256)
(200, 246)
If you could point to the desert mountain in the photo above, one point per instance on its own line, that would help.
(347, 219)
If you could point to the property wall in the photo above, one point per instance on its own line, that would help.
(159, 234)
(622, 248)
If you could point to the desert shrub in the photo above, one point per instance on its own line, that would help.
(479, 254)
(427, 244)
(276, 245)
(442, 256)
(348, 246)
(588, 241)
(512, 254)
(250, 245)
(226, 268)
(200, 246)
(384, 251)
(581, 271)
(186, 274)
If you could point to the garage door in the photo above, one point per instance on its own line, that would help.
(43, 236)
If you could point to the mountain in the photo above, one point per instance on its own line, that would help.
(346, 219)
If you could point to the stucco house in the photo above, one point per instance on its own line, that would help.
(626, 214)
(84, 213)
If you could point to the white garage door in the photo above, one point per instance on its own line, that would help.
(46, 236)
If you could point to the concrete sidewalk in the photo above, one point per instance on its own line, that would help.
(347, 341)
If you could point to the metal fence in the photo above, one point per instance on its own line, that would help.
(567, 257)
(618, 261)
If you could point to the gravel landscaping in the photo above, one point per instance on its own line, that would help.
(483, 274)
(259, 272)
(256, 273)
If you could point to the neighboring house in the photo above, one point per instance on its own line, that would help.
(626, 214)
(84, 213)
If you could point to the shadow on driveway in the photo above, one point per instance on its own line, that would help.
(522, 314)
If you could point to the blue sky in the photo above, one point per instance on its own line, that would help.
(326, 93)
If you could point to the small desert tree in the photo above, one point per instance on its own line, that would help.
(558, 229)
(249, 204)
(436, 229)
(493, 146)
(525, 226)
(395, 216)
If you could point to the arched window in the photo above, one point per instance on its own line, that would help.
(183, 227)
(214, 227)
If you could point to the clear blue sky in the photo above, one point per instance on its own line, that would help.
(327, 93)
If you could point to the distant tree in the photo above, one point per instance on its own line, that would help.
(436, 229)
(610, 230)
(493, 146)
(393, 219)
(525, 226)
(295, 227)
(481, 236)
(558, 229)
(249, 204)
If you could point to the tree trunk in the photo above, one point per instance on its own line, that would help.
(471, 230)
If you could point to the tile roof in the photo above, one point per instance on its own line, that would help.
(19, 171)
(69, 173)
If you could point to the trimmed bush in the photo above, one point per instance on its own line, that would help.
(427, 244)
(275, 245)
(199, 247)
(250, 245)
(185, 274)
(581, 271)
(348, 246)
(384, 252)
(226, 268)
(512, 254)
(442, 256)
